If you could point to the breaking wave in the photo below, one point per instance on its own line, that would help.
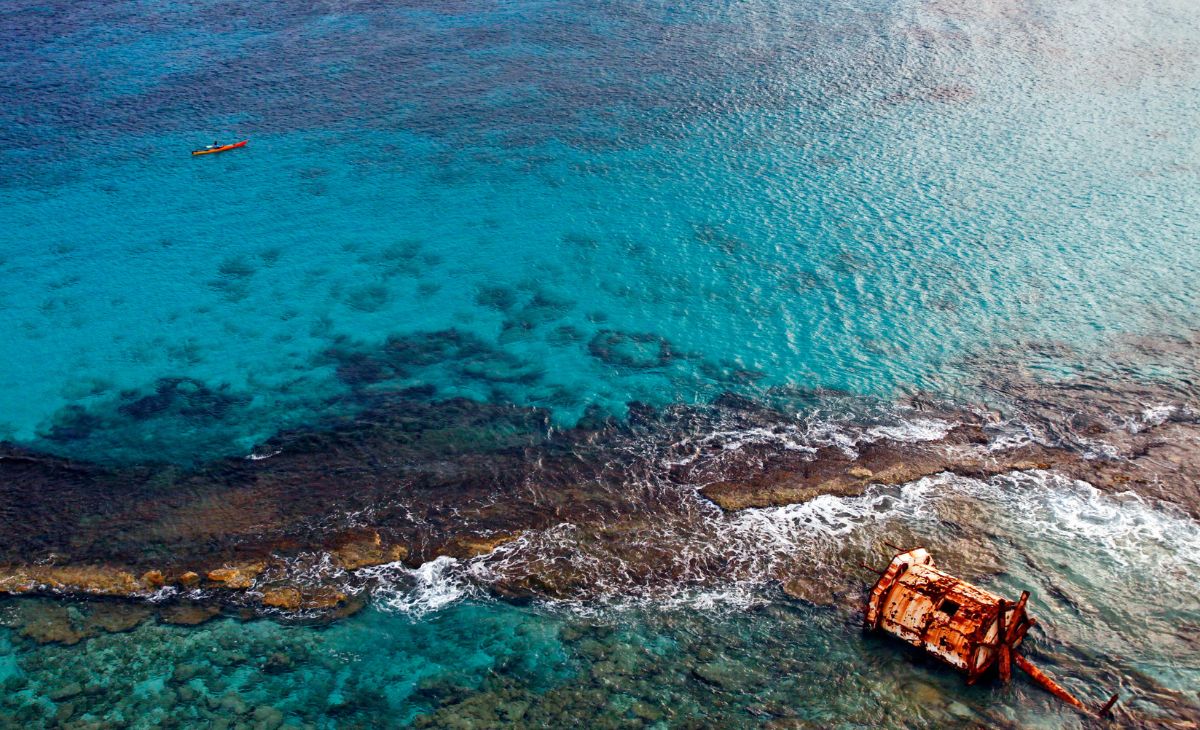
(694, 556)
(419, 591)
(815, 431)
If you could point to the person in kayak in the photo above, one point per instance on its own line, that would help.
(213, 146)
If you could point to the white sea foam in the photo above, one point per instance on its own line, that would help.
(418, 591)
(709, 560)
(813, 433)
(1158, 414)
(695, 556)
(725, 559)
(1128, 528)
(911, 431)
(166, 593)
(1039, 503)
(259, 457)
(1010, 435)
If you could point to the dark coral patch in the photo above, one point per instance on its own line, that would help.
(496, 297)
(405, 250)
(544, 307)
(186, 397)
(463, 355)
(312, 173)
(428, 348)
(714, 235)
(73, 423)
(358, 369)
(177, 419)
(368, 297)
(635, 350)
(402, 258)
(580, 240)
(515, 329)
(564, 335)
(727, 371)
(271, 256)
(234, 268)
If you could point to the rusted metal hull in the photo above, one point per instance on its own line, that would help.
(961, 624)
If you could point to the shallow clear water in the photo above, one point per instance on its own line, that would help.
(850, 195)
(621, 201)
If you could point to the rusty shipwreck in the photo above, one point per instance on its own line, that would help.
(963, 625)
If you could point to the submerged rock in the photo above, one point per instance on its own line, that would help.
(233, 703)
(277, 663)
(66, 691)
(116, 617)
(188, 614)
(806, 588)
(267, 718)
(365, 548)
(64, 712)
(97, 580)
(47, 623)
(472, 546)
(724, 674)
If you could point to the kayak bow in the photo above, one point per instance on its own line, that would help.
(222, 148)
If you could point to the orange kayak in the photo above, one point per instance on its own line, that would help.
(222, 148)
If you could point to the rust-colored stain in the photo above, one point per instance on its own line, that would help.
(964, 625)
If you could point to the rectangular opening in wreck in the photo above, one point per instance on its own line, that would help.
(948, 607)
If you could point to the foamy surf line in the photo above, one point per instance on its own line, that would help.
(707, 559)
(811, 433)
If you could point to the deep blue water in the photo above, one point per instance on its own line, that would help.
(876, 196)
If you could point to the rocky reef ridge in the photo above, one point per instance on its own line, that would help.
(303, 529)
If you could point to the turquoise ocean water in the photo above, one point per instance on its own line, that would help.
(874, 196)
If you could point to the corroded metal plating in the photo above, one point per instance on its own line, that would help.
(964, 625)
(957, 622)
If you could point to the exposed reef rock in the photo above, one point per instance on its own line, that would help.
(289, 599)
(471, 546)
(46, 622)
(97, 580)
(236, 577)
(306, 524)
(798, 477)
(364, 549)
(1162, 462)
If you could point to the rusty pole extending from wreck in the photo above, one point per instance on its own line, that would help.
(1047, 683)
(1057, 689)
